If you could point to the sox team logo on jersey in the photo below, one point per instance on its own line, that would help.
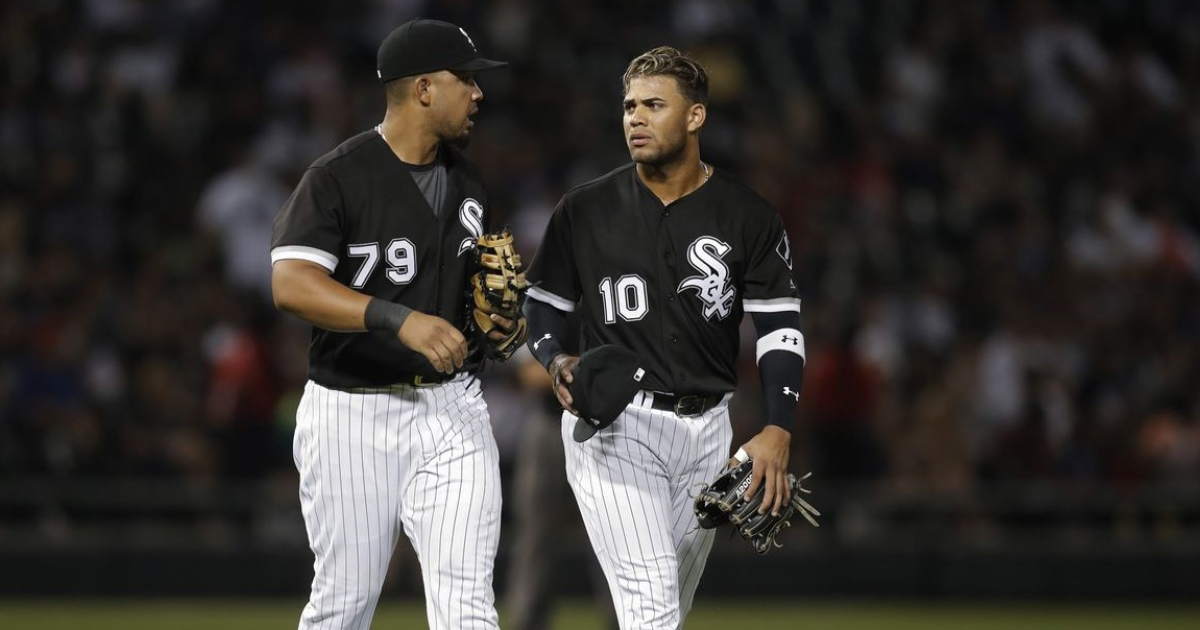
(470, 214)
(712, 285)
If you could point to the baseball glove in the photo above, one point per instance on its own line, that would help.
(498, 288)
(723, 501)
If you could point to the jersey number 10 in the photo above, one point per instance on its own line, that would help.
(625, 297)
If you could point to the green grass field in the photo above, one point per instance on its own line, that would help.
(247, 615)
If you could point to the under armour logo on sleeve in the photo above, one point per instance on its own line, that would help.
(783, 339)
(788, 391)
(539, 341)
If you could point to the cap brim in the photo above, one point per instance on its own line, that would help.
(477, 64)
(583, 430)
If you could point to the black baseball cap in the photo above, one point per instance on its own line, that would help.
(606, 379)
(422, 46)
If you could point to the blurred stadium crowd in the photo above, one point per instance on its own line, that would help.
(993, 206)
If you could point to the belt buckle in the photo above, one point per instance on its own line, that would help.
(689, 406)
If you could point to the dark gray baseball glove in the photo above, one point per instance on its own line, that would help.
(723, 501)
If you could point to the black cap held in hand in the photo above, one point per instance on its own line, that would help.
(606, 379)
(422, 46)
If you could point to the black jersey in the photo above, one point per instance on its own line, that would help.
(669, 282)
(359, 213)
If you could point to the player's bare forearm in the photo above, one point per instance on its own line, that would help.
(304, 289)
(770, 450)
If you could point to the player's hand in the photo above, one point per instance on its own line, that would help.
(562, 373)
(503, 327)
(435, 338)
(770, 450)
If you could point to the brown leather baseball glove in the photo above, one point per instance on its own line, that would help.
(498, 288)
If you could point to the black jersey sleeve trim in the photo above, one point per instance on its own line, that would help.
(773, 305)
(558, 302)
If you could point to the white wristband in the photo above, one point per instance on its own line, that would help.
(786, 339)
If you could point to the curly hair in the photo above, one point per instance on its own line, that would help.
(667, 61)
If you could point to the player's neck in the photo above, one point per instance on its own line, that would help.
(409, 140)
(671, 182)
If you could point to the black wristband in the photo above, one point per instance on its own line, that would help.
(382, 315)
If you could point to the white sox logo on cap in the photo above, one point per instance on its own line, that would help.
(469, 40)
(712, 286)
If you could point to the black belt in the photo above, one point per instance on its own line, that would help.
(687, 406)
(418, 380)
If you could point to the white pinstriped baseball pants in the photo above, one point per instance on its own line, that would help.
(373, 459)
(634, 482)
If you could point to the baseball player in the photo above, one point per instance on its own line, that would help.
(662, 257)
(374, 249)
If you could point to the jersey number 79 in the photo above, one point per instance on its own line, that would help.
(401, 255)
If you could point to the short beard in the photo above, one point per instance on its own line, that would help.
(458, 140)
(661, 159)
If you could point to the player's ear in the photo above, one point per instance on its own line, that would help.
(697, 114)
(423, 89)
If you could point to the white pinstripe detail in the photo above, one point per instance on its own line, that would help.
(300, 252)
(372, 460)
(634, 483)
(773, 305)
(560, 303)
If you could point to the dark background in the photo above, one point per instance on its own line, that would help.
(993, 208)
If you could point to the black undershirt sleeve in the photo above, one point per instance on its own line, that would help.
(781, 370)
(547, 329)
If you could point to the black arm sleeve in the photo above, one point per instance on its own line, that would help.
(547, 329)
(781, 366)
